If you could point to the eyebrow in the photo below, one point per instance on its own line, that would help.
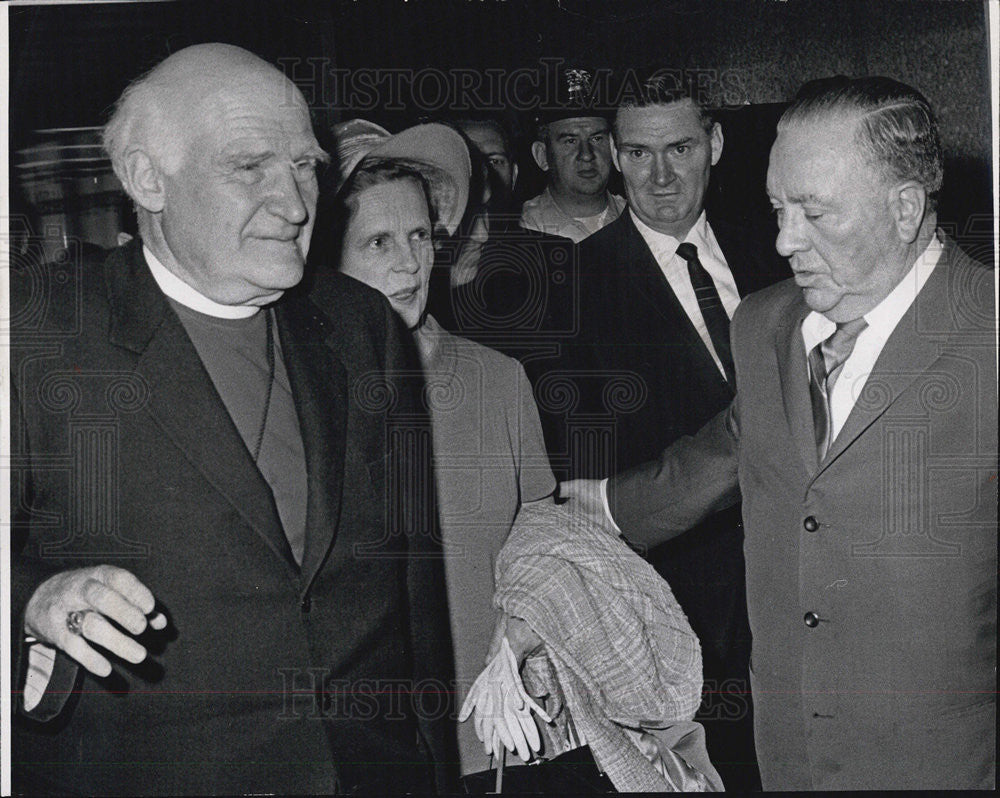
(244, 153)
(265, 152)
(628, 145)
(367, 235)
(580, 134)
(805, 199)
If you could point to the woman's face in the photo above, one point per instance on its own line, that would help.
(388, 246)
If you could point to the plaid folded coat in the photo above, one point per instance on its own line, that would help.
(619, 652)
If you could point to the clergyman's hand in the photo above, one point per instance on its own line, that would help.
(100, 594)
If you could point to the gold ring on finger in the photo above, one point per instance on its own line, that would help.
(74, 621)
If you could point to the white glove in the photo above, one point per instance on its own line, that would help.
(503, 708)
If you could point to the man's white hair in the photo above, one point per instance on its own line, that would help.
(155, 110)
(140, 119)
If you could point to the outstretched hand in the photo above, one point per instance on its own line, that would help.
(101, 594)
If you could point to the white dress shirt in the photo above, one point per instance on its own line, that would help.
(882, 320)
(675, 269)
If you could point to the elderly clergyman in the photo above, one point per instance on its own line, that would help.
(212, 591)
(863, 437)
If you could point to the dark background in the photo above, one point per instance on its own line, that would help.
(395, 62)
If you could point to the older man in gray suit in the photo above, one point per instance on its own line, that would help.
(863, 439)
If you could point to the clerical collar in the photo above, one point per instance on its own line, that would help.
(182, 293)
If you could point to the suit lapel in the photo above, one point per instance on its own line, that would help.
(653, 288)
(909, 352)
(793, 371)
(319, 385)
(182, 400)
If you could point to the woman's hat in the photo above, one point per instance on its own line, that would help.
(437, 151)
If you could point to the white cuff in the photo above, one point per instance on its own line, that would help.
(41, 661)
(604, 504)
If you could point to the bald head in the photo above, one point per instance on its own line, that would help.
(155, 111)
(216, 150)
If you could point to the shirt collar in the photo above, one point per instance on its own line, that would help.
(883, 318)
(664, 246)
(551, 201)
(184, 294)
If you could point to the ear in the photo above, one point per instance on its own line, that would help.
(513, 176)
(143, 180)
(540, 155)
(908, 203)
(614, 154)
(715, 137)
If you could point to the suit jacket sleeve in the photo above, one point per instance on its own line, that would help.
(693, 477)
(28, 571)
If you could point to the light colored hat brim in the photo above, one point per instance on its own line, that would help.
(437, 151)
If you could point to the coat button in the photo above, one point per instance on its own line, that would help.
(810, 523)
(811, 619)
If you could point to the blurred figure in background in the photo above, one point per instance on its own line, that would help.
(511, 289)
(493, 142)
(492, 209)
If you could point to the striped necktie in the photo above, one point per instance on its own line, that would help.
(826, 360)
(712, 311)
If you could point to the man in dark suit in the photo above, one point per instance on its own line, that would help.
(863, 438)
(214, 587)
(651, 363)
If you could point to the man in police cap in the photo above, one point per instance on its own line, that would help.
(573, 147)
